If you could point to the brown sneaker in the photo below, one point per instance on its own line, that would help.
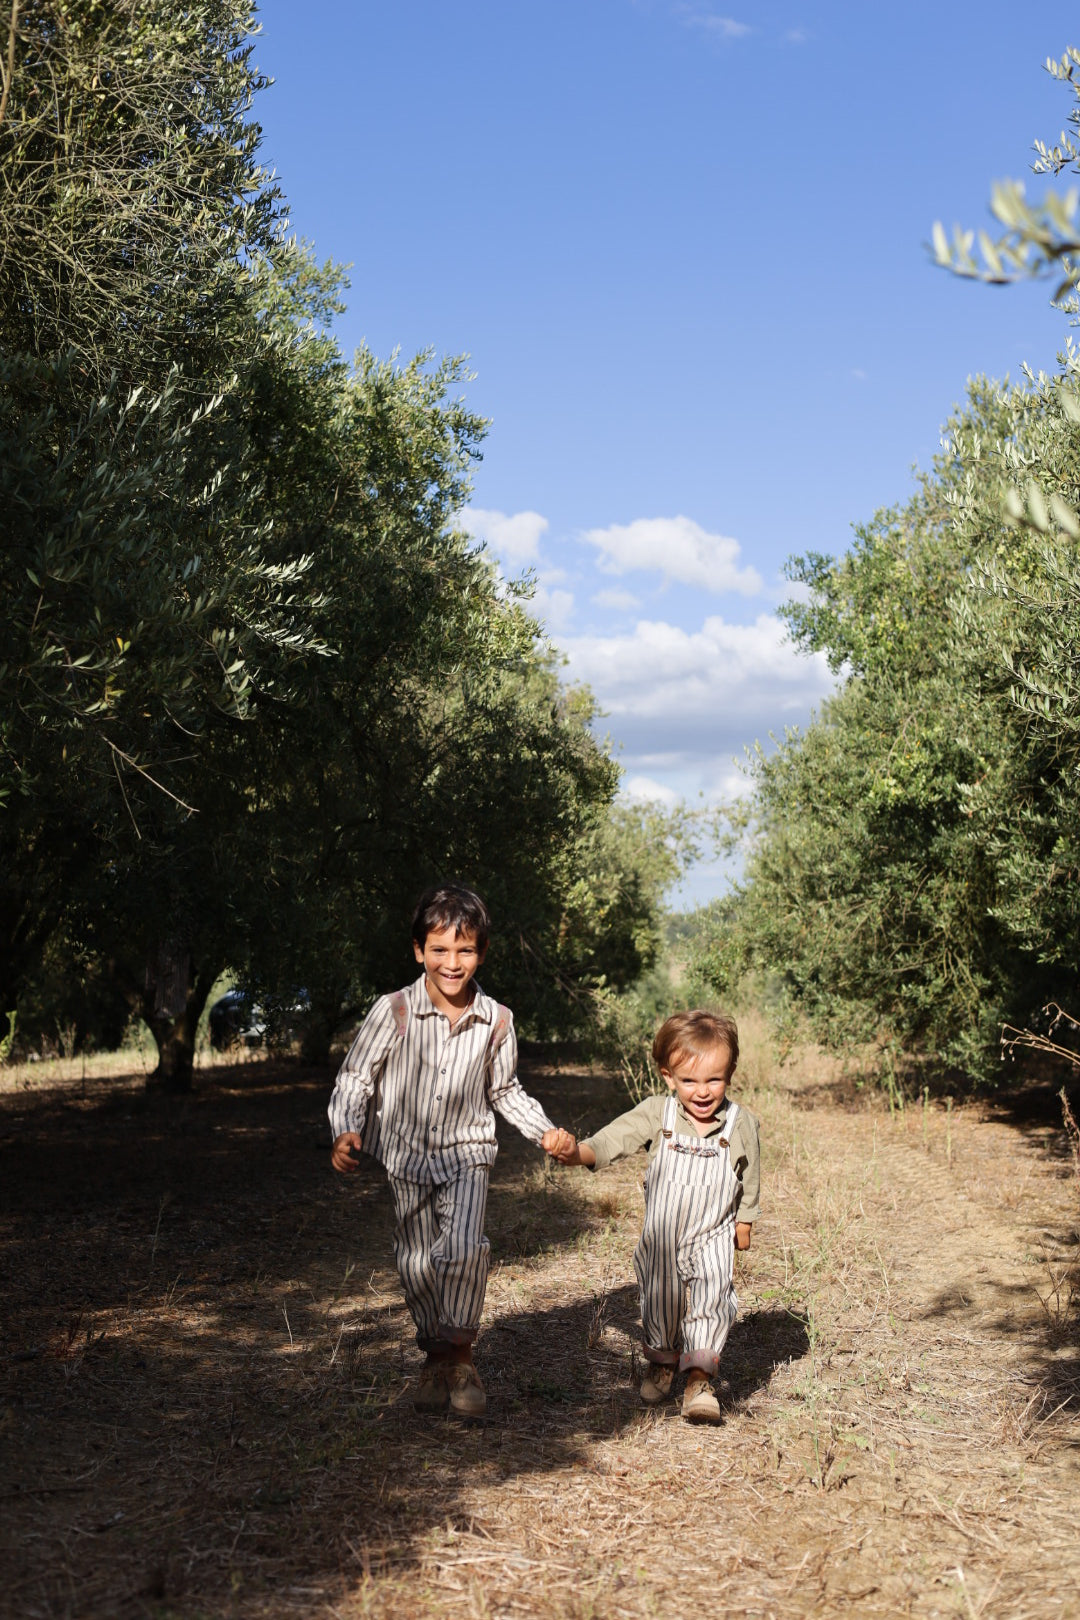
(657, 1384)
(467, 1396)
(699, 1404)
(431, 1393)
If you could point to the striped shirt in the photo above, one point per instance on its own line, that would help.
(640, 1127)
(433, 1088)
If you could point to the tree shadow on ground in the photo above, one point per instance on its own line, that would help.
(1033, 1108)
(206, 1356)
(1052, 1376)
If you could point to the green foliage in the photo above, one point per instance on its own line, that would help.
(143, 604)
(639, 852)
(864, 889)
(610, 926)
(1040, 239)
(256, 686)
(911, 869)
(914, 855)
(908, 876)
(134, 201)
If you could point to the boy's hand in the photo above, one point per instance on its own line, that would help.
(742, 1234)
(345, 1153)
(562, 1145)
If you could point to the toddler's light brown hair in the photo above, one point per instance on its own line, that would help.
(688, 1034)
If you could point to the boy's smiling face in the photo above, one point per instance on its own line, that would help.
(450, 959)
(700, 1082)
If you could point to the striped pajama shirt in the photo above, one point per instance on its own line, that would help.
(695, 1188)
(421, 1098)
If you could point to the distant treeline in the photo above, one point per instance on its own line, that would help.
(913, 865)
(256, 687)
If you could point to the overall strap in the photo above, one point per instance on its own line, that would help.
(667, 1122)
(400, 1009)
(500, 1028)
(729, 1123)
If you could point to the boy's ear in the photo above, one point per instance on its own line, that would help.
(418, 951)
(666, 1075)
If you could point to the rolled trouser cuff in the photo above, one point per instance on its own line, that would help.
(443, 1344)
(661, 1358)
(706, 1361)
(457, 1335)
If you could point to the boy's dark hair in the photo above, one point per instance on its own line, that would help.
(451, 905)
(688, 1034)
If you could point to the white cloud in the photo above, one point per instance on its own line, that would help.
(710, 23)
(622, 601)
(677, 547)
(726, 786)
(691, 699)
(683, 706)
(643, 787)
(718, 779)
(514, 537)
(555, 608)
(796, 36)
(796, 590)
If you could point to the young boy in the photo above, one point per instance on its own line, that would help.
(416, 1091)
(701, 1200)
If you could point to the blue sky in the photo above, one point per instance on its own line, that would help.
(684, 245)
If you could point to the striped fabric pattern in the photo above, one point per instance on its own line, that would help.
(640, 1127)
(423, 1101)
(685, 1258)
(442, 1255)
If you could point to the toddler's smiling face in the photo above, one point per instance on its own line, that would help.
(700, 1082)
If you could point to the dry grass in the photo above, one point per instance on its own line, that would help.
(89, 1074)
(207, 1354)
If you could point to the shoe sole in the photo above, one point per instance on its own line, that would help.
(702, 1417)
(469, 1412)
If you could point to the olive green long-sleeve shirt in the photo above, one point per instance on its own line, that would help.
(640, 1127)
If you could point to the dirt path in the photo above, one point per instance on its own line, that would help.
(204, 1351)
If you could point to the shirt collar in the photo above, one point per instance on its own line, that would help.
(717, 1123)
(479, 1010)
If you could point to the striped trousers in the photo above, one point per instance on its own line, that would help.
(442, 1254)
(685, 1259)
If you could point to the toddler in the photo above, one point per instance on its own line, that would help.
(701, 1200)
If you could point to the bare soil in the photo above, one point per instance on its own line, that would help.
(206, 1362)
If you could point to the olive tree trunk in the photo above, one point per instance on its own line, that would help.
(169, 998)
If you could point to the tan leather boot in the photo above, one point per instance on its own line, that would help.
(657, 1384)
(431, 1393)
(699, 1403)
(467, 1396)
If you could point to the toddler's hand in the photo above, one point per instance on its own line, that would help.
(562, 1145)
(742, 1234)
(345, 1153)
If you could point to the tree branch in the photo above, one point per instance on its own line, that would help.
(9, 75)
(127, 759)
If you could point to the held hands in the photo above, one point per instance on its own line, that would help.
(345, 1153)
(562, 1145)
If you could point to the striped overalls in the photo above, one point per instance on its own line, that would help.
(685, 1258)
